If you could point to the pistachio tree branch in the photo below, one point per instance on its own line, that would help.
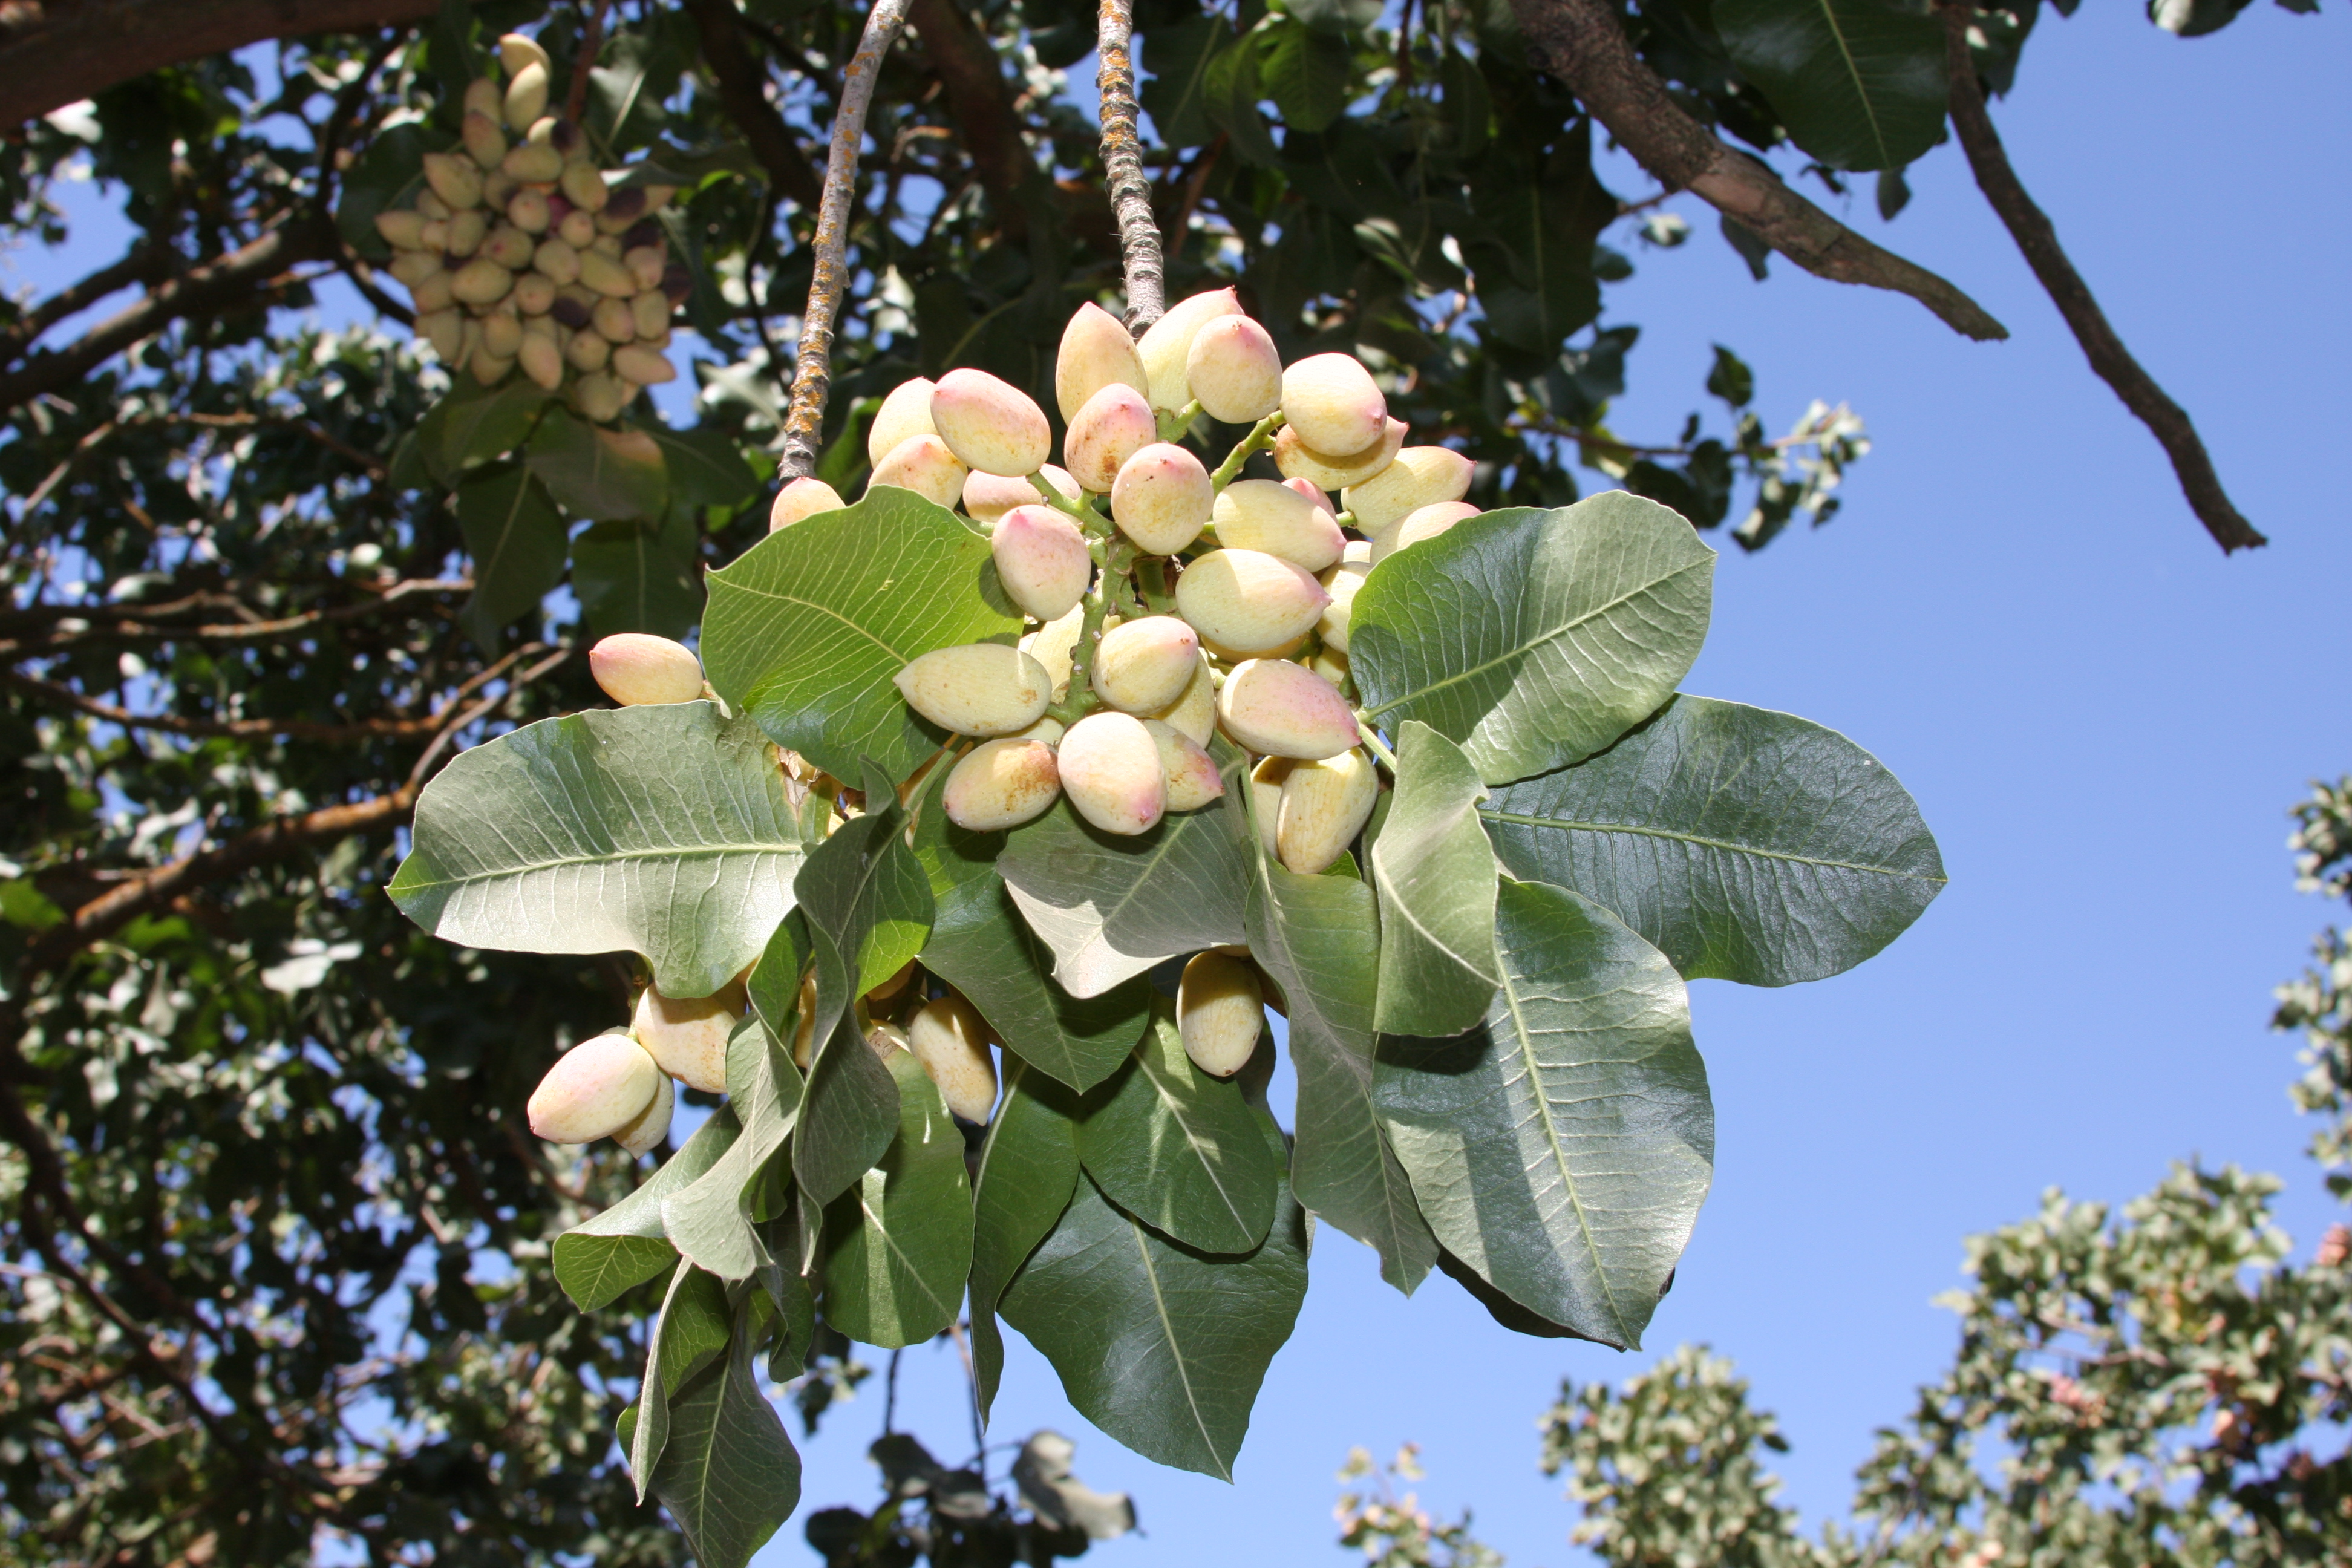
(143, 263)
(251, 271)
(2036, 236)
(1580, 42)
(812, 371)
(583, 63)
(1123, 158)
(980, 102)
(51, 55)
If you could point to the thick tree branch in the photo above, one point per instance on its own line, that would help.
(309, 235)
(1579, 42)
(144, 264)
(979, 105)
(743, 92)
(70, 626)
(56, 51)
(1123, 158)
(2038, 239)
(813, 375)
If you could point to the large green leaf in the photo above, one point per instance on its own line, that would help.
(1318, 937)
(1179, 1150)
(1177, 57)
(639, 576)
(807, 629)
(605, 476)
(1307, 73)
(663, 829)
(518, 544)
(1113, 906)
(705, 468)
(1746, 845)
(1028, 1168)
(691, 1333)
(1532, 248)
(727, 1475)
(1531, 638)
(900, 1242)
(599, 1258)
(1435, 874)
(980, 945)
(1161, 1346)
(1859, 84)
(477, 424)
(1562, 1148)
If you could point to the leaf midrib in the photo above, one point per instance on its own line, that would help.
(1853, 70)
(1552, 1147)
(691, 852)
(1526, 647)
(1175, 1350)
(1728, 847)
(1194, 1141)
(823, 610)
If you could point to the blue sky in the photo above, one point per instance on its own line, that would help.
(2103, 720)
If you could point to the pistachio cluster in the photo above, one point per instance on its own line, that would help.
(522, 253)
(1201, 604)
(623, 1084)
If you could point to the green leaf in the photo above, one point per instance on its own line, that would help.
(1028, 1168)
(807, 630)
(691, 1333)
(868, 906)
(1562, 1148)
(1174, 94)
(1179, 1150)
(1307, 73)
(706, 469)
(1435, 875)
(1161, 1346)
(1730, 379)
(1746, 845)
(1230, 92)
(1336, 14)
(1858, 84)
(599, 1258)
(518, 544)
(605, 476)
(1112, 907)
(1531, 638)
(387, 176)
(663, 829)
(901, 1240)
(711, 1222)
(980, 945)
(1533, 254)
(727, 1475)
(480, 424)
(1319, 938)
(639, 577)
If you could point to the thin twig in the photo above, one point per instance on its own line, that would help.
(1182, 228)
(971, 1381)
(2038, 239)
(131, 628)
(813, 375)
(1582, 43)
(592, 44)
(1123, 159)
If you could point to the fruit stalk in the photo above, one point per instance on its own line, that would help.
(1260, 437)
(1122, 157)
(813, 373)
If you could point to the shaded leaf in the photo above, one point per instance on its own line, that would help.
(1858, 83)
(662, 829)
(599, 1258)
(1531, 638)
(711, 1222)
(478, 424)
(899, 1240)
(727, 1475)
(1562, 1148)
(1161, 1346)
(605, 476)
(1746, 845)
(807, 629)
(1111, 907)
(980, 945)
(1028, 1167)
(706, 469)
(689, 1334)
(1435, 874)
(1318, 939)
(519, 543)
(639, 577)
(1174, 94)
(1307, 73)
(1179, 1150)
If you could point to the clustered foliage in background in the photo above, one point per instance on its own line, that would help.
(2155, 1383)
(260, 1231)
